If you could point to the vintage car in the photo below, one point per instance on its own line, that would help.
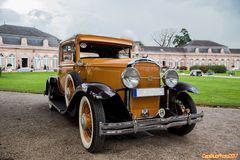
(112, 94)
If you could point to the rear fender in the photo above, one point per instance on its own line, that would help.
(51, 82)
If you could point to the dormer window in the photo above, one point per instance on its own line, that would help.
(24, 41)
(209, 50)
(196, 50)
(45, 43)
(1, 41)
(222, 50)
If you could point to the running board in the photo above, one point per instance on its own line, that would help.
(59, 104)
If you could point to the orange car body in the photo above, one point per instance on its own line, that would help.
(113, 94)
(108, 71)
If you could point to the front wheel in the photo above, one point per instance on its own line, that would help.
(184, 105)
(91, 113)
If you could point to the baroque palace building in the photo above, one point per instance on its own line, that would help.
(27, 47)
(196, 52)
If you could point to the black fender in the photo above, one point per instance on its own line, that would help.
(51, 82)
(96, 90)
(114, 108)
(181, 86)
(173, 92)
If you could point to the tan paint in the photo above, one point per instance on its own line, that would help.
(109, 70)
(150, 78)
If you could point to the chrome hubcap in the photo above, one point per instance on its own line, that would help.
(68, 92)
(83, 121)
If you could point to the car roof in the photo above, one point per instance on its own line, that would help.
(96, 38)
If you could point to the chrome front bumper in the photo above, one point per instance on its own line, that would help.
(148, 124)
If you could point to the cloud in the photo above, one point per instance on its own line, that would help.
(10, 16)
(40, 16)
(136, 19)
(2, 2)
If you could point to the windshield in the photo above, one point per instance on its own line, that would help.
(100, 50)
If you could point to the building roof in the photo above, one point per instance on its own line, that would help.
(201, 45)
(234, 50)
(12, 34)
(162, 49)
(204, 43)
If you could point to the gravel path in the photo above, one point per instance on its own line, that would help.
(28, 130)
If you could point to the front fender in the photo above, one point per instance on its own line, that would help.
(114, 108)
(181, 86)
(97, 90)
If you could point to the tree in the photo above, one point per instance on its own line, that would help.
(182, 38)
(164, 38)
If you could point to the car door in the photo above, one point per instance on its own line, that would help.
(66, 62)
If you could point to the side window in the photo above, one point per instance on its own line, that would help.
(68, 53)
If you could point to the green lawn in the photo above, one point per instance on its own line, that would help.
(24, 82)
(215, 91)
(237, 73)
(224, 92)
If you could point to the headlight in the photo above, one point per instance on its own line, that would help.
(170, 78)
(130, 77)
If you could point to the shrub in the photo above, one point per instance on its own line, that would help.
(210, 72)
(194, 67)
(183, 68)
(214, 68)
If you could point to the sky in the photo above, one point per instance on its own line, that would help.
(215, 20)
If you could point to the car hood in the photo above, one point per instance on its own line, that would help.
(107, 62)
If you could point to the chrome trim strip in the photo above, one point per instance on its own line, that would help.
(135, 61)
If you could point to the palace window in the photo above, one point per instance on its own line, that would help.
(222, 62)
(210, 62)
(238, 64)
(37, 62)
(12, 61)
(55, 62)
(1, 60)
(45, 61)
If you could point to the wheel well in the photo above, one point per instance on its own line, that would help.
(114, 108)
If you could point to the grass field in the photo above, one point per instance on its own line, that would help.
(24, 82)
(215, 91)
(237, 73)
(224, 92)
